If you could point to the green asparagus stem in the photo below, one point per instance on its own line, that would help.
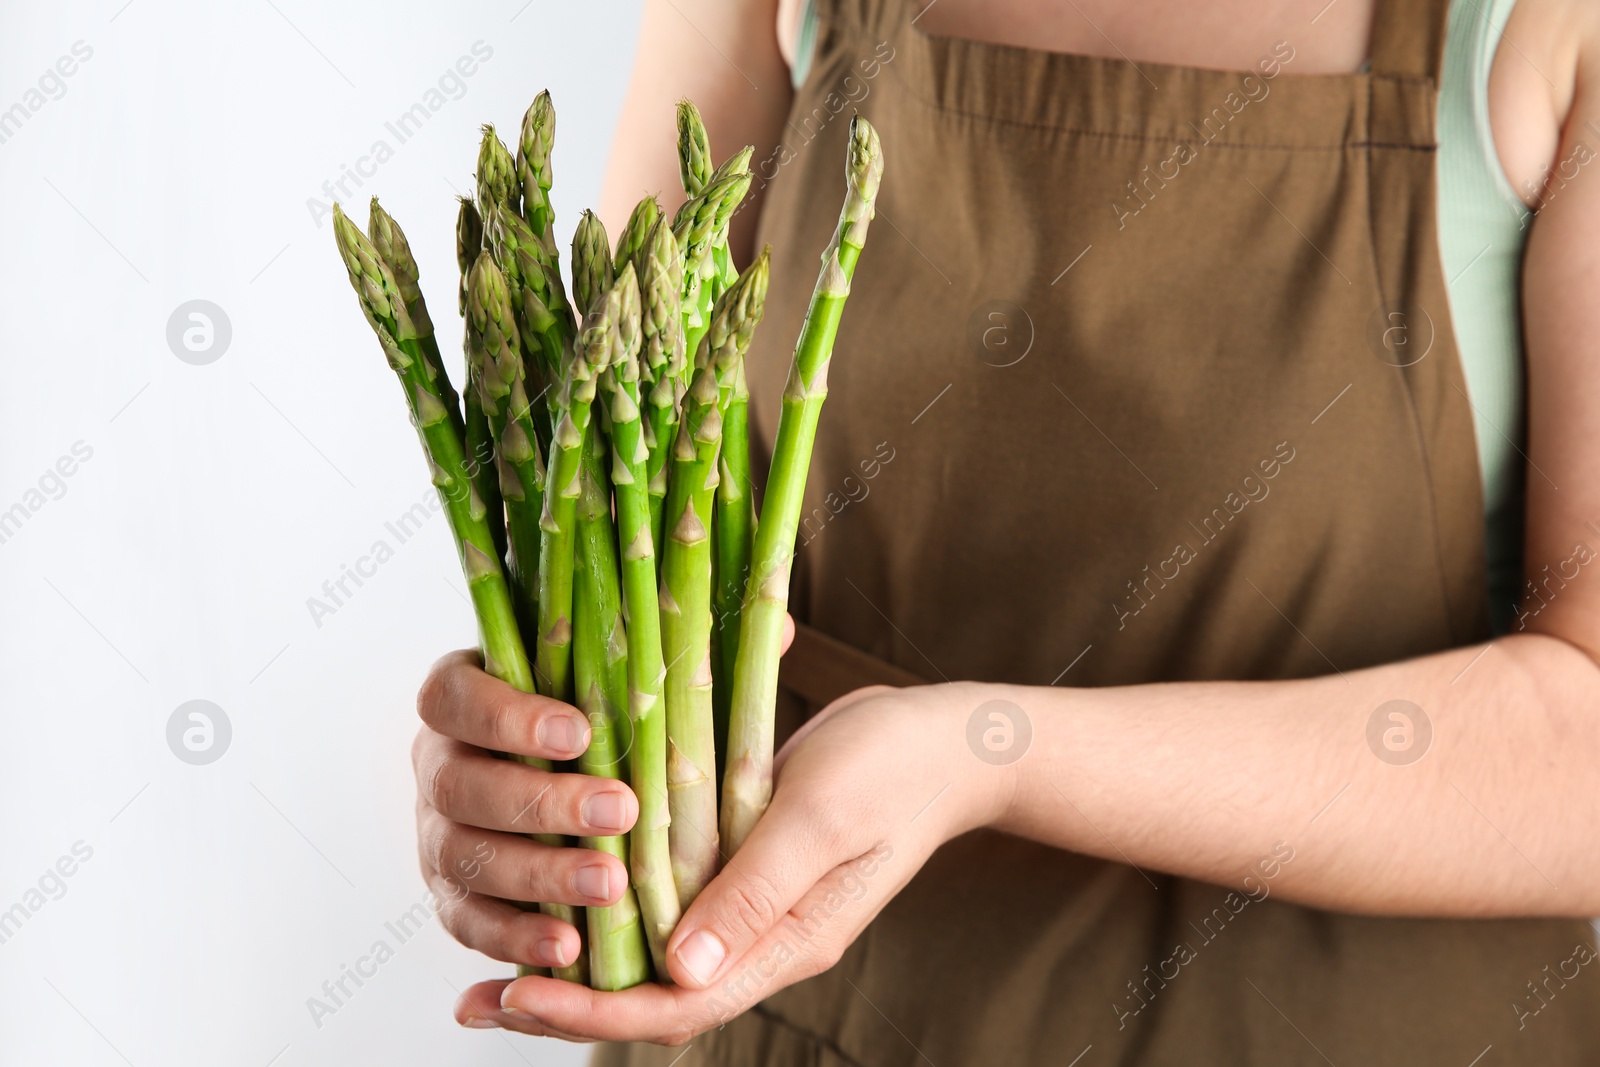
(533, 167)
(622, 316)
(650, 860)
(389, 240)
(384, 307)
(497, 174)
(686, 592)
(663, 360)
(494, 351)
(735, 519)
(592, 270)
(392, 247)
(574, 400)
(694, 148)
(617, 954)
(747, 780)
(476, 434)
(498, 637)
(631, 241)
(496, 369)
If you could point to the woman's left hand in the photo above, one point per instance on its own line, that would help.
(865, 792)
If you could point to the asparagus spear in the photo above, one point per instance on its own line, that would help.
(533, 167)
(543, 315)
(650, 864)
(496, 368)
(497, 174)
(696, 226)
(574, 398)
(631, 241)
(722, 272)
(617, 953)
(592, 270)
(686, 593)
(747, 780)
(663, 360)
(479, 442)
(694, 148)
(389, 241)
(686, 640)
(734, 516)
(469, 242)
(494, 352)
(384, 307)
(498, 636)
(623, 333)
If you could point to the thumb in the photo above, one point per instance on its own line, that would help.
(759, 885)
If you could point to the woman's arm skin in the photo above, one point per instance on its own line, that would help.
(1197, 779)
(723, 55)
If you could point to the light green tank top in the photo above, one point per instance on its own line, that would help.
(1482, 233)
(1483, 229)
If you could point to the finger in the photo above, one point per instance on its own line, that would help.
(515, 868)
(813, 935)
(788, 633)
(647, 1012)
(459, 700)
(466, 784)
(791, 847)
(808, 941)
(479, 1008)
(504, 931)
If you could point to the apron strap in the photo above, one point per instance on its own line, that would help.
(819, 669)
(1408, 37)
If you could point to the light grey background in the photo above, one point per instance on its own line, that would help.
(175, 563)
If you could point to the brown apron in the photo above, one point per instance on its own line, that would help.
(1110, 410)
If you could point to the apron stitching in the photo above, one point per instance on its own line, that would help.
(1111, 134)
(829, 17)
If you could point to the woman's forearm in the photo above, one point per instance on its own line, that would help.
(723, 56)
(1495, 814)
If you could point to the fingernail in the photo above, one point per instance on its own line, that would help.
(701, 954)
(593, 882)
(551, 951)
(478, 1022)
(510, 1008)
(558, 733)
(605, 811)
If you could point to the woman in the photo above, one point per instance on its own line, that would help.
(1177, 421)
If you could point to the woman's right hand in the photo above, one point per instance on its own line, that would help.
(473, 808)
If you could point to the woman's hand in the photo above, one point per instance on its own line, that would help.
(865, 792)
(471, 807)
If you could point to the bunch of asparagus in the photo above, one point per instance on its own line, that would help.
(595, 470)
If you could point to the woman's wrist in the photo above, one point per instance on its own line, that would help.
(1020, 732)
(985, 733)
